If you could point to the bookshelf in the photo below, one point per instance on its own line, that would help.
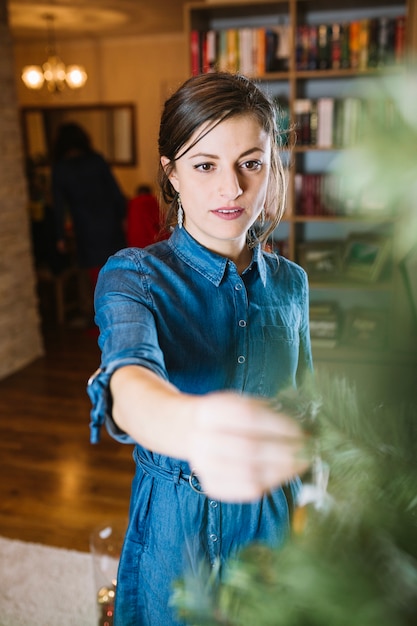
(323, 52)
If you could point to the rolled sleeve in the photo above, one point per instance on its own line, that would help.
(98, 389)
(128, 336)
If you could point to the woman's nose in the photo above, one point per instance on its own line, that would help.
(230, 187)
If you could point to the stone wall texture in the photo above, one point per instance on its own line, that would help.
(20, 336)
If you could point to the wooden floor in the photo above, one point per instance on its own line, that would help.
(55, 486)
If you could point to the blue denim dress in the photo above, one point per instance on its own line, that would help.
(185, 313)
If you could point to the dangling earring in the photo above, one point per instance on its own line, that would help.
(180, 212)
(262, 217)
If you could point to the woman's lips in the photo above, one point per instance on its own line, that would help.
(229, 213)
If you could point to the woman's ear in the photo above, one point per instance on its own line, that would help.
(172, 176)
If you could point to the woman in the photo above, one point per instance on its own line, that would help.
(195, 332)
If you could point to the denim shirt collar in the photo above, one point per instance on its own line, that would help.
(206, 262)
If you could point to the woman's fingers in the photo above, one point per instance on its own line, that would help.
(241, 448)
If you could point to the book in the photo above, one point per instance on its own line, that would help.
(312, 60)
(271, 46)
(211, 50)
(282, 120)
(351, 108)
(232, 49)
(354, 43)
(277, 48)
(384, 36)
(313, 123)
(302, 111)
(373, 43)
(222, 51)
(245, 52)
(363, 43)
(325, 111)
(399, 39)
(302, 47)
(307, 200)
(195, 52)
(283, 49)
(260, 51)
(323, 47)
(344, 46)
(335, 47)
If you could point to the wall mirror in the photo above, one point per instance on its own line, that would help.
(111, 128)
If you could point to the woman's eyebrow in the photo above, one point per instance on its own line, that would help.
(207, 155)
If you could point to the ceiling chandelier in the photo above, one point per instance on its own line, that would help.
(53, 72)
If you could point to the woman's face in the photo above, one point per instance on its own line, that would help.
(222, 181)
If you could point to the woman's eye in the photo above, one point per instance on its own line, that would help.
(251, 165)
(204, 167)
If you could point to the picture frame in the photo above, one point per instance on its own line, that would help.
(408, 269)
(111, 127)
(322, 260)
(366, 256)
(366, 328)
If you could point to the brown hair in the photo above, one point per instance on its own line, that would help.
(215, 97)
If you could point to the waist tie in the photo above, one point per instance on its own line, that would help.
(175, 475)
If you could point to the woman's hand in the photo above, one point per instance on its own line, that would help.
(240, 448)
(237, 445)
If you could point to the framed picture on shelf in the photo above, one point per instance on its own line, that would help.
(366, 256)
(408, 268)
(322, 260)
(366, 328)
(325, 323)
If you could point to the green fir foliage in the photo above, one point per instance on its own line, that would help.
(356, 559)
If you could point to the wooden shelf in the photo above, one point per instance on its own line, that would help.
(293, 84)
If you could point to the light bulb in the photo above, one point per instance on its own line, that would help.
(32, 76)
(76, 76)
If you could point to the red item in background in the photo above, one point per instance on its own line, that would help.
(93, 273)
(143, 221)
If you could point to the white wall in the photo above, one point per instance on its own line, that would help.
(141, 70)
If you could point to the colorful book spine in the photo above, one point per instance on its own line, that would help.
(232, 50)
(359, 44)
(302, 112)
(195, 52)
(399, 39)
(335, 48)
(354, 44)
(323, 47)
(222, 53)
(211, 49)
(312, 49)
(384, 41)
(344, 46)
(325, 116)
(260, 51)
(363, 43)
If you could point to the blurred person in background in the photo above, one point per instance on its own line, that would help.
(85, 190)
(143, 224)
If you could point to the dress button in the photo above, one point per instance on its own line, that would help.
(213, 537)
(242, 323)
(241, 359)
(238, 287)
(213, 504)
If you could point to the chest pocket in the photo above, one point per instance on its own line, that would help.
(280, 345)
